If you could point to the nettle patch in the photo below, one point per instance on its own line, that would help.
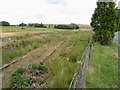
(31, 76)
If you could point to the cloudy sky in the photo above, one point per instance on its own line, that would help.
(47, 11)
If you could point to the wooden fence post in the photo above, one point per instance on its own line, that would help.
(79, 74)
(89, 49)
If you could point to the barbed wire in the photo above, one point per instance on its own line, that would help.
(72, 80)
(84, 64)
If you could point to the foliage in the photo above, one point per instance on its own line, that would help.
(71, 26)
(37, 25)
(63, 62)
(31, 24)
(119, 20)
(4, 23)
(21, 77)
(104, 22)
(39, 67)
(22, 24)
(18, 79)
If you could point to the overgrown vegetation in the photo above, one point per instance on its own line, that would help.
(103, 67)
(29, 77)
(63, 62)
(19, 48)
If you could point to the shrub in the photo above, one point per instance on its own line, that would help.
(22, 77)
(71, 26)
(22, 24)
(104, 22)
(39, 67)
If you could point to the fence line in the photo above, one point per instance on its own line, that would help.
(82, 67)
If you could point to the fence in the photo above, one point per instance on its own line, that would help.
(79, 77)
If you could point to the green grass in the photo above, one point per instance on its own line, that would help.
(63, 62)
(26, 77)
(20, 29)
(103, 68)
(19, 48)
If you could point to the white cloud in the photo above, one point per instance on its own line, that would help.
(47, 11)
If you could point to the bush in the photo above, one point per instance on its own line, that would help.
(22, 24)
(37, 25)
(39, 67)
(22, 77)
(71, 26)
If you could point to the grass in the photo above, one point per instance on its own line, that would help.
(27, 77)
(19, 48)
(103, 68)
(63, 62)
(20, 29)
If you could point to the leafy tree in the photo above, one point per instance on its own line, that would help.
(71, 26)
(55, 26)
(22, 24)
(40, 25)
(104, 22)
(119, 19)
(4, 23)
(31, 24)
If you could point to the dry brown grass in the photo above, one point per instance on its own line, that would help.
(6, 34)
(91, 69)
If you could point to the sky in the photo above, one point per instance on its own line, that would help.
(47, 11)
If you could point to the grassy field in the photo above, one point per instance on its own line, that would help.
(103, 67)
(18, 31)
(31, 48)
(31, 45)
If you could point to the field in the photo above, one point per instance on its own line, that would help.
(103, 67)
(31, 45)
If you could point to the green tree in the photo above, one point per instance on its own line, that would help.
(22, 24)
(31, 24)
(119, 19)
(4, 23)
(104, 22)
(55, 26)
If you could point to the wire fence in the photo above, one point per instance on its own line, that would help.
(79, 78)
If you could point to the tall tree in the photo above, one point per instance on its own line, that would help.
(22, 24)
(104, 22)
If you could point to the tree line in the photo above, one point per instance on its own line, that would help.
(5, 23)
(70, 26)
